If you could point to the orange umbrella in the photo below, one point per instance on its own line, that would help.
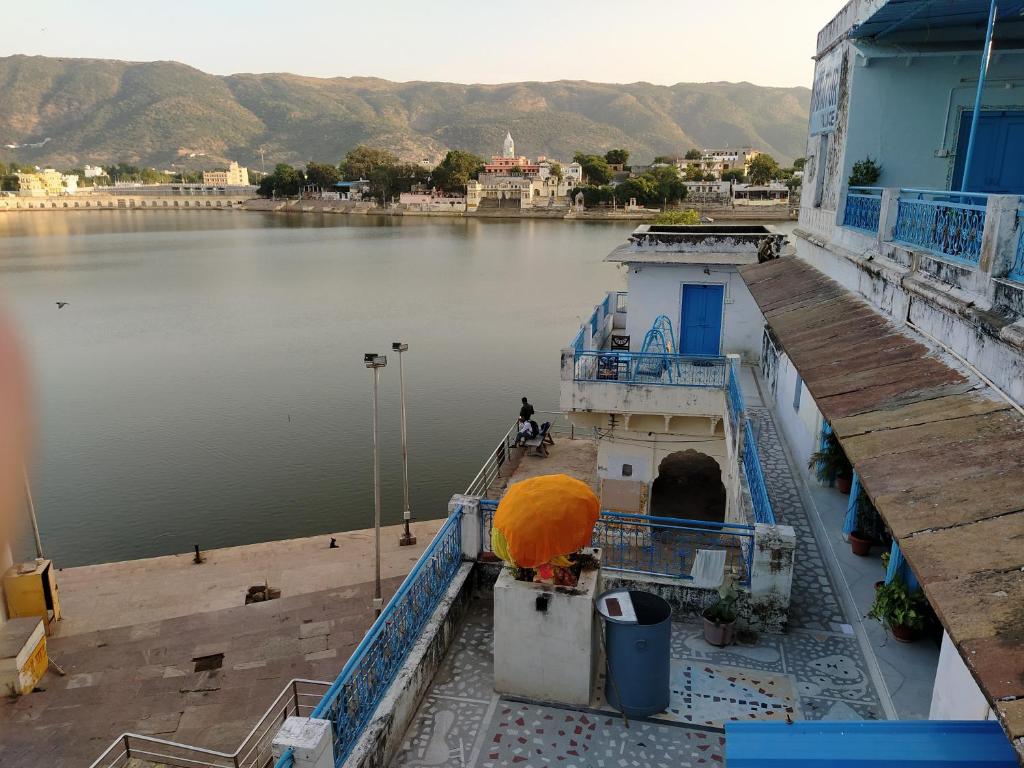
(543, 518)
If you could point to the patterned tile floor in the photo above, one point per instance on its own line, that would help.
(816, 672)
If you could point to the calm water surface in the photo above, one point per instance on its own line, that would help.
(206, 383)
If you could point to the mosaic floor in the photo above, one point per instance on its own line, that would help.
(814, 672)
(802, 675)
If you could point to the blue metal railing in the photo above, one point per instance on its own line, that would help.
(863, 208)
(351, 700)
(667, 546)
(1017, 268)
(655, 546)
(755, 478)
(737, 406)
(286, 760)
(650, 368)
(606, 308)
(949, 224)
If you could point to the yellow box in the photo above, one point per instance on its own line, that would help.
(23, 657)
(31, 590)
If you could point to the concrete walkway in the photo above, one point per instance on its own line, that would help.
(96, 597)
(833, 588)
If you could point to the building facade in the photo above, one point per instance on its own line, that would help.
(234, 176)
(47, 183)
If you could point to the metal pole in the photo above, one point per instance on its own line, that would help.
(986, 54)
(376, 362)
(407, 539)
(32, 514)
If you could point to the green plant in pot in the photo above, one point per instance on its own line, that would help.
(830, 463)
(899, 609)
(720, 618)
(864, 534)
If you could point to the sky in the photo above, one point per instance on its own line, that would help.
(480, 41)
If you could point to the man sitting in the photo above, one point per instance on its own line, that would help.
(524, 431)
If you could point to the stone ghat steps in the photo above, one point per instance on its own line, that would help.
(203, 679)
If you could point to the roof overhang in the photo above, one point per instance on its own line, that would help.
(940, 455)
(933, 17)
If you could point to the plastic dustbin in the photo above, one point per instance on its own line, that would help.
(638, 644)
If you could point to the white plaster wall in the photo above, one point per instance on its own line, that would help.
(801, 428)
(646, 451)
(956, 696)
(656, 289)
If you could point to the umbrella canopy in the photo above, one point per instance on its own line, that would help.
(543, 518)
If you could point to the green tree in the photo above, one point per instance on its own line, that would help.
(763, 169)
(864, 173)
(388, 181)
(322, 175)
(556, 171)
(593, 195)
(799, 163)
(667, 159)
(362, 161)
(616, 156)
(693, 173)
(285, 181)
(642, 188)
(595, 168)
(693, 154)
(733, 174)
(457, 168)
(668, 184)
(688, 217)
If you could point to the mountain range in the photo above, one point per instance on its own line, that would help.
(69, 112)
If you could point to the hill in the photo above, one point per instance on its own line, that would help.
(79, 111)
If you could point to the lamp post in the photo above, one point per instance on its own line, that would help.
(375, 362)
(407, 538)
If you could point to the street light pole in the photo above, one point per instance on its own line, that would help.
(375, 362)
(407, 539)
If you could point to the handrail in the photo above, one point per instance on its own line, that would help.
(236, 759)
(663, 368)
(680, 522)
(354, 696)
(481, 482)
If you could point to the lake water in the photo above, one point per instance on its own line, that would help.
(206, 383)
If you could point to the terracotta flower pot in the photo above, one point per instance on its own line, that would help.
(719, 635)
(860, 545)
(904, 633)
(879, 585)
(844, 483)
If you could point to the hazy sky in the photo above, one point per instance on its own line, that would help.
(483, 41)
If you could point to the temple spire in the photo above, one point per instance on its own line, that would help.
(508, 149)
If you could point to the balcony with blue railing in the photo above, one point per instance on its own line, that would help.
(1016, 272)
(650, 368)
(863, 209)
(948, 224)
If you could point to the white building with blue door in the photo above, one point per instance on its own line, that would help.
(650, 371)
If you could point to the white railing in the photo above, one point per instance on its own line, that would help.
(298, 699)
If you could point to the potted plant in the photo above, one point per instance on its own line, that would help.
(863, 536)
(830, 463)
(899, 610)
(864, 173)
(720, 618)
(885, 569)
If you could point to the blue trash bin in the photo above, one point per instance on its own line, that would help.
(638, 645)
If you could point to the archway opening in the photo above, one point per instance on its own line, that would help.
(689, 485)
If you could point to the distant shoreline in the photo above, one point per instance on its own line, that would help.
(262, 205)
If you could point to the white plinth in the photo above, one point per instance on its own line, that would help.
(309, 740)
(546, 655)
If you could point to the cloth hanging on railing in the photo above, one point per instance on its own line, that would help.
(850, 521)
(899, 569)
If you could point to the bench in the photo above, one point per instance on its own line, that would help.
(540, 443)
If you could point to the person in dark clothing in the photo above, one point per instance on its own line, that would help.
(526, 412)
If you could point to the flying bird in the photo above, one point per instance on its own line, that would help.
(61, 304)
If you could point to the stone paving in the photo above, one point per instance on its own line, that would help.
(814, 604)
(816, 671)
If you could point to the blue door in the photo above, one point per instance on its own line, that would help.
(701, 329)
(998, 162)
